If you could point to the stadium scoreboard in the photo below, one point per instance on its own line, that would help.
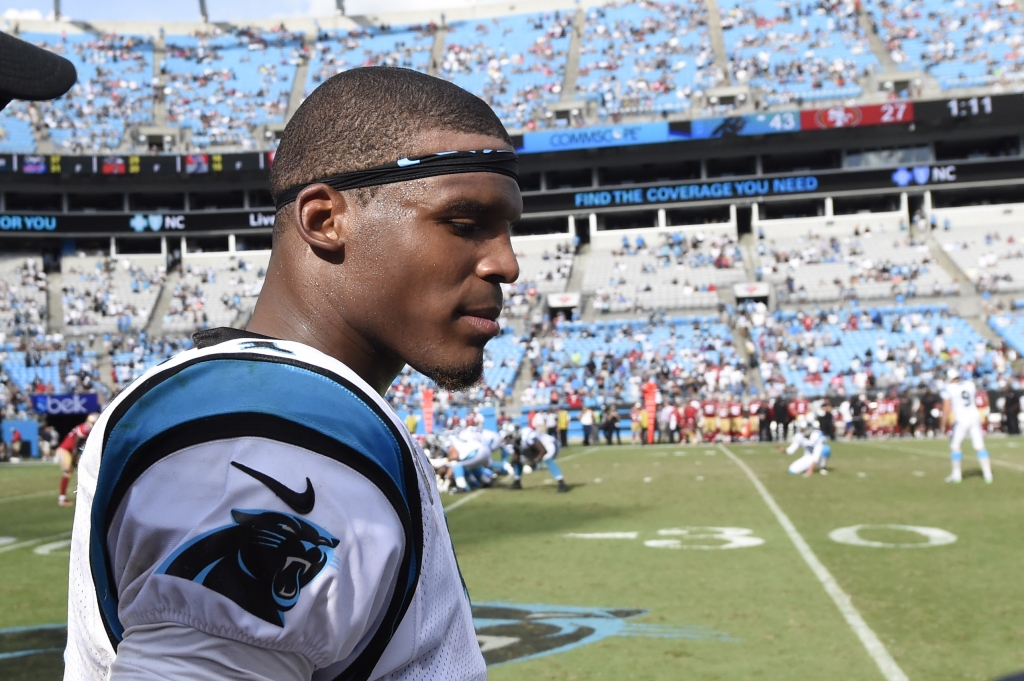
(137, 165)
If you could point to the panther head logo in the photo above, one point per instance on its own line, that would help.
(261, 562)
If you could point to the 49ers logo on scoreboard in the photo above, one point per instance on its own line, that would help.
(857, 116)
(838, 117)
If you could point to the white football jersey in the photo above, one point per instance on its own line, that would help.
(812, 443)
(961, 396)
(258, 492)
(487, 438)
(528, 437)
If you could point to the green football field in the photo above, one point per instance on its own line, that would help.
(668, 562)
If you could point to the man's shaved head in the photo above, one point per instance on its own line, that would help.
(371, 116)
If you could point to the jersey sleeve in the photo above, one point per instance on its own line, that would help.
(251, 555)
(156, 654)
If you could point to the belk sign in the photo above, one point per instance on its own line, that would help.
(82, 403)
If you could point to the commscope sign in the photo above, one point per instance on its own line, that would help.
(589, 138)
(696, 192)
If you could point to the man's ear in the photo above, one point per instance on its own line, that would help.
(321, 215)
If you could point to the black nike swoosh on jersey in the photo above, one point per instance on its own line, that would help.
(300, 502)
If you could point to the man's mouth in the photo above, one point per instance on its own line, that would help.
(483, 319)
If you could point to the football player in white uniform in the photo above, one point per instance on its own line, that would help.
(536, 447)
(490, 442)
(958, 405)
(816, 450)
(253, 508)
(470, 461)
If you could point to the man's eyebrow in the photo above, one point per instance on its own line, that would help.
(467, 206)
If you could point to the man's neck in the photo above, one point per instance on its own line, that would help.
(284, 317)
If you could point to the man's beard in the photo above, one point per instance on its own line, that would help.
(455, 377)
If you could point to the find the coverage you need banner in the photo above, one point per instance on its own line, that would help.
(767, 186)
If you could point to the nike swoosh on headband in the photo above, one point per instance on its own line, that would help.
(501, 161)
(300, 502)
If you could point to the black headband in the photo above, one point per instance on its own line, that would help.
(499, 161)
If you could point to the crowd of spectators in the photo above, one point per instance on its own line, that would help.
(133, 355)
(645, 56)
(682, 270)
(990, 259)
(515, 63)
(603, 364)
(23, 309)
(863, 264)
(109, 293)
(635, 57)
(114, 91)
(223, 84)
(408, 47)
(44, 364)
(799, 50)
(853, 350)
(547, 271)
(963, 44)
(214, 293)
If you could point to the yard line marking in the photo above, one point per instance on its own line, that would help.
(32, 542)
(876, 649)
(590, 450)
(4, 500)
(911, 450)
(460, 502)
(602, 535)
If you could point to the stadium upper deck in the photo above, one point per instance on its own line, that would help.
(217, 87)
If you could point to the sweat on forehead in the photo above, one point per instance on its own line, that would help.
(372, 116)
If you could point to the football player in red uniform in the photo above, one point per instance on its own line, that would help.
(68, 451)
(723, 417)
(736, 418)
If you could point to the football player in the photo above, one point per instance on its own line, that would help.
(535, 448)
(253, 508)
(471, 453)
(709, 422)
(959, 406)
(816, 450)
(68, 452)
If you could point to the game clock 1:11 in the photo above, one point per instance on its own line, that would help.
(974, 106)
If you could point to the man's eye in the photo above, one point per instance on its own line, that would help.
(464, 226)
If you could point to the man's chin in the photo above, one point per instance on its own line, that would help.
(454, 377)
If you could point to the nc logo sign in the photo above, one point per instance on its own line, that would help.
(156, 222)
(66, 404)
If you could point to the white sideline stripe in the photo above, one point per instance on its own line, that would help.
(590, 450)
(911, 450)
(469, 497)
(32, 542)
(4, 500)
(876, 649)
